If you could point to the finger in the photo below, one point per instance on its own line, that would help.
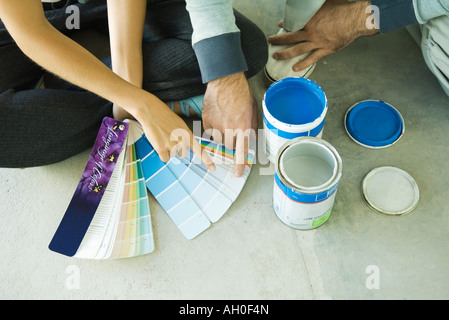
(229, 139)
(217, 136)
(207, 124)
(255, 123)
(164, 155)
(162, 152)
(174, 150)
(180, 142)
(252, 142)
(294, 51)
(288, 38)
(281, 23)
(214, 135)
(196, 148)
(179, 150)
(241, 152)
(184, 150)
(314, 57)
(255, 117)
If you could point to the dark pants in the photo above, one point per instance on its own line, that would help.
(44, 126)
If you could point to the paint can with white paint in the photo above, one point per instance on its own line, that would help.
(308, 172)
(292, 107)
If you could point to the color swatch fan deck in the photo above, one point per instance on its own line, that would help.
(109, 215)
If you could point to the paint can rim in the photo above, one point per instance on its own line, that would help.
(363, 142)
(337, 170)
(294, 128)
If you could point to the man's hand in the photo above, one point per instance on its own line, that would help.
(230, 109)
(333, 27)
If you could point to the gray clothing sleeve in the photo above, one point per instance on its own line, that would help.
(216, 38)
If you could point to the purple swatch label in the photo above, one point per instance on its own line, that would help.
(93, 183)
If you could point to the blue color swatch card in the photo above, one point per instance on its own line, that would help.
(193, 196)
(109, 215)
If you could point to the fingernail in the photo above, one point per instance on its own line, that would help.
(275, 56)
(212, 167)
(238, 173)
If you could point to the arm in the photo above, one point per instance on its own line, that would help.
(58, 54)
(400, 13)
(395, 14)
(229, 106)
(216, 38)
(36, 37)
(126, 23)
(338, 23)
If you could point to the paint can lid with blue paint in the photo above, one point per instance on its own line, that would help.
(374, 124)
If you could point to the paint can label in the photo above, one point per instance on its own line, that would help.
(275, 138)
(302, 211)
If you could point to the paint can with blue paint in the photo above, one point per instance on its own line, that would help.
(308, 172)
(292, 108)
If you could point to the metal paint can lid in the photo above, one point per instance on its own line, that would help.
(374, 124)
(390, 191)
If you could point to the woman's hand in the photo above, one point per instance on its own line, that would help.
(167, 132)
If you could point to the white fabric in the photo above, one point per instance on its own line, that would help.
(279, 69)
(426, 10)
(299, 12)
(435, 48)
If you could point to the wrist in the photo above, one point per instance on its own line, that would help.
(129, 67)
(229, 80)
(133, 100)
(230, 94)
(368, 23)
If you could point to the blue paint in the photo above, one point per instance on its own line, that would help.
(295, 101)
(374, 123)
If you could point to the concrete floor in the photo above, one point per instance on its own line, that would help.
(250, 254)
